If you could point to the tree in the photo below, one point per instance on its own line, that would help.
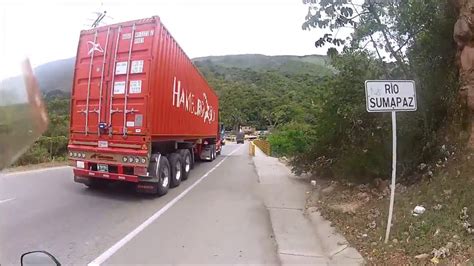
(389, 26)
(408, 39)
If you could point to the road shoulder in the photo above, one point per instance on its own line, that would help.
(303, 236)
(35, 167)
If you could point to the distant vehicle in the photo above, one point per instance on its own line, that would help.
(251, 137)
(140, 110)
(240, 137)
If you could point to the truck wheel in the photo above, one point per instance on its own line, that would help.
(213, 153)
(187, 163)
(176, 165)
(161, 170)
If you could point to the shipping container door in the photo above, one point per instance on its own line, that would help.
(111, 80)
(131, 66)
(90, 81)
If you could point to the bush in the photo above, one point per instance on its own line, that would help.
(338, 137)
(36, 154)
(291, 139)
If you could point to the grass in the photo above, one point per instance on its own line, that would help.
(364, 224)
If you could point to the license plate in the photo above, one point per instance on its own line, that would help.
(102, 167)
(103, 144)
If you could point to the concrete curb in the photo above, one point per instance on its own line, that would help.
(303, 236)
(336, 247)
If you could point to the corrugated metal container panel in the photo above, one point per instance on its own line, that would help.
(134, 78)
(185, 105)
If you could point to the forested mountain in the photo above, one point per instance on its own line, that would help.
(55, 78)
(287, 64)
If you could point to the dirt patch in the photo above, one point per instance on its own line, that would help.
(346, 207)
(360, 213)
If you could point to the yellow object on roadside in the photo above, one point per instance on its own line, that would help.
(252, 149)
(263, 145)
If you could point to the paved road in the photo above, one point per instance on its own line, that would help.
(219, 220)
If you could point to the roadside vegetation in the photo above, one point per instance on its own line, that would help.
(52, 146)
(442, 234)
(343, 145)
(320, 124)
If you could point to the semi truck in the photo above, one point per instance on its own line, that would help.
(141, 112)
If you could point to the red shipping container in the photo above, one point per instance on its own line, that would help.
(133, 84)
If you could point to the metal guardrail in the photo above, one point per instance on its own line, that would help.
(263, 145)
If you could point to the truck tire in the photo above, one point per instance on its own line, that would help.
(176, 167)
(187, 163)
(213, 152)
(161, 170)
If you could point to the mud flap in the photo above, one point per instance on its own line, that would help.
(83, 180)
(148, 185)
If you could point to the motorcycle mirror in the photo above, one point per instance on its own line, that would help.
(22, 114)
(39, 258)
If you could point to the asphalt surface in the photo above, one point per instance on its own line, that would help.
(221, 219)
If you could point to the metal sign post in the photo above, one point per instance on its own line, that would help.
(391, 96)
(394, 174)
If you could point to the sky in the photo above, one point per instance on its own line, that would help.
(47, 30)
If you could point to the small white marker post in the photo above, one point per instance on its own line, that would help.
(391, 96)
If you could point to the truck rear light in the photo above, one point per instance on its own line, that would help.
(143, 160)
(131, 159)
(125, 159)
(140, 171)
(137, 160)
(70, 154)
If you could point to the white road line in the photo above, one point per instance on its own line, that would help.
(35, 171)
(6, 200)
(111, 251)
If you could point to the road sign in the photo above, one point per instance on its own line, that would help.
(390, 95)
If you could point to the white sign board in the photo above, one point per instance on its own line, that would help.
(390, 95)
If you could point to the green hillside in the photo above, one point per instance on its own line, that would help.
(264, 91)
(309, 64)
(55, 77)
